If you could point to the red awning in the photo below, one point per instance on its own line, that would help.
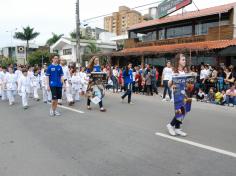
(184, 47)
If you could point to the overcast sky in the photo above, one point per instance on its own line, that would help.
(58, 16)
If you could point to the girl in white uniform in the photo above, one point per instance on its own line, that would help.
(10, 82)
(35, 84)
(47, 96)
(24, 84)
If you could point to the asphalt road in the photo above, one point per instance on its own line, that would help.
(120, 142)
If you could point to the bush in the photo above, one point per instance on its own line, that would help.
(5, 62)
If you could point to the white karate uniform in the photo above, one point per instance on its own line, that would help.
(2, 86)
(76, 86)
(35, 84)
(47, 96)
(18, 74)
(31, 74)
(68, 90)
(66, 75)
(24, 84)
(11, 86)
(84, 81)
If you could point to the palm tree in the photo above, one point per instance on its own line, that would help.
(26, 35)
(93, 48)
(54, 39)
(73, 35)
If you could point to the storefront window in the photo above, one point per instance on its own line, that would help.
(183, 31)
(202, 29)
(151, 36)
(161, 34)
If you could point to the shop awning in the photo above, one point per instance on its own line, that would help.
(229, 51)
(175, 48)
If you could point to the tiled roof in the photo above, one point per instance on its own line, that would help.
(185, 16)
(197, 46)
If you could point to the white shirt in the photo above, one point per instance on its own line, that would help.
(167, 73)
(204, 74)
(65, 72)
(11, 80)
(18, 74)
(24, 84)
(115, 73)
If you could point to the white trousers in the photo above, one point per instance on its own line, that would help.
(11, 96)
(25, 97)
(4, 95)
(69, 95)
(76, 95)
(36, 95)
(47, 96)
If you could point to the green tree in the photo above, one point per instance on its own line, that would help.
(39, 57)
(27, 34)
(73, 35)
(92, 48)
(53, 39)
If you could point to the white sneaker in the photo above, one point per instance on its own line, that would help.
(131, 103)
(180, 132)
(164, 100)
(172, 100)
(52, 112)
(171, 130)
(56, 113)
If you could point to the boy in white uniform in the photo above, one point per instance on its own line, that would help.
(47, 96)
(68, 89)
(2, 85)
(10, 82)
(76, 86)
(84, 80)
(35, 84)
(24, 84)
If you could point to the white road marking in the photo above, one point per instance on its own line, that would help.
(217, 150)
(71, 109)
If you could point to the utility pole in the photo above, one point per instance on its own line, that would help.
(78, 57)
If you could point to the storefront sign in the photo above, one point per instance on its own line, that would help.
(169, 6)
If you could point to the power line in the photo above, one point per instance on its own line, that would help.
(100, 16)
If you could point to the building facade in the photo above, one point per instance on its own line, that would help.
(206, 36)
(120, 21)
(66, 48)
(18, 52)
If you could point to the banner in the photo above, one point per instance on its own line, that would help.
(183, 87)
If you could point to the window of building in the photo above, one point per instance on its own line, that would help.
(161, 34)
(202, 28)
(67, 51)
(183, 31)
(151, 36)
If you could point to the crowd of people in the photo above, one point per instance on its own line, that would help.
(66, 82)
(214, 84)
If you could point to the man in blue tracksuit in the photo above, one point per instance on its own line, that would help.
(128, 82)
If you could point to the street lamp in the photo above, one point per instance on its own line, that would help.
(11, 32)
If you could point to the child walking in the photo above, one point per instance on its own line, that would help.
(24, 87)
(11, 85)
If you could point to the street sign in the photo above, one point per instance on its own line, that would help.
(169, 6)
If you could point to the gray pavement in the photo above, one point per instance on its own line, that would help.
(120, 142)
